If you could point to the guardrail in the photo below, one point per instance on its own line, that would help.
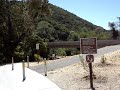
(76, 44)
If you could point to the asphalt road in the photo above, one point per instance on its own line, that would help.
(57, 64)
(72, 60)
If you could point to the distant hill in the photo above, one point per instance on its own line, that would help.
(70, 20)
(63, 25)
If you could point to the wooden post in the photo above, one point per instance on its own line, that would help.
(45, 66)
(91, 77)
(12, 63)
(23, 67)
(90, 59)
(27, 61)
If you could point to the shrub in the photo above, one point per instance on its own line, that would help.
(68, 52)
(37, 57)
(103, 59)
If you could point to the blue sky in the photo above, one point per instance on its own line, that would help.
(98, 12)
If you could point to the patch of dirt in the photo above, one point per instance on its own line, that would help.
(104, 65)
(75, 77)
(101, 79)
(88, 77)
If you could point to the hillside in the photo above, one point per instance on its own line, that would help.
(69, 20)
(63, 25)
(26, 26)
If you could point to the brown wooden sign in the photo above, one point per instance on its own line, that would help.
(88, 45)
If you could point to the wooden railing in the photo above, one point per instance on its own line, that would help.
(76, 44)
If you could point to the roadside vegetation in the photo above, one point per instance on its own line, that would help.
(25, 23)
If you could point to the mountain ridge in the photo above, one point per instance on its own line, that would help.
(63, 25)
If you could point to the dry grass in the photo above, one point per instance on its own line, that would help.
(74, 77)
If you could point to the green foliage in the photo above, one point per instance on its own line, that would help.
(60, 52)
(23, 24)
(64, 26)
(30, 44)
(68, 20)
(75, 37)
(17, 22)
(115, 27)
(68, 52)
(37, 57)
(104, 36)
(46, 31)
(19, 53)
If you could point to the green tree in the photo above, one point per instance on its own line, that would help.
(17, 21)
(74, 36)
(115, 28)
(114, 31)
(46, 31)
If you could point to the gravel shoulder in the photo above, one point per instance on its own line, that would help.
(75, 77)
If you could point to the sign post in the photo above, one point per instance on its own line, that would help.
(27, 61)
(23, 67)
(90, 59)
(89, 46)
(91, 77)
(45, 66)
(12, 63)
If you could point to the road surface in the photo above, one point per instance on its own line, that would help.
(72, 59)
